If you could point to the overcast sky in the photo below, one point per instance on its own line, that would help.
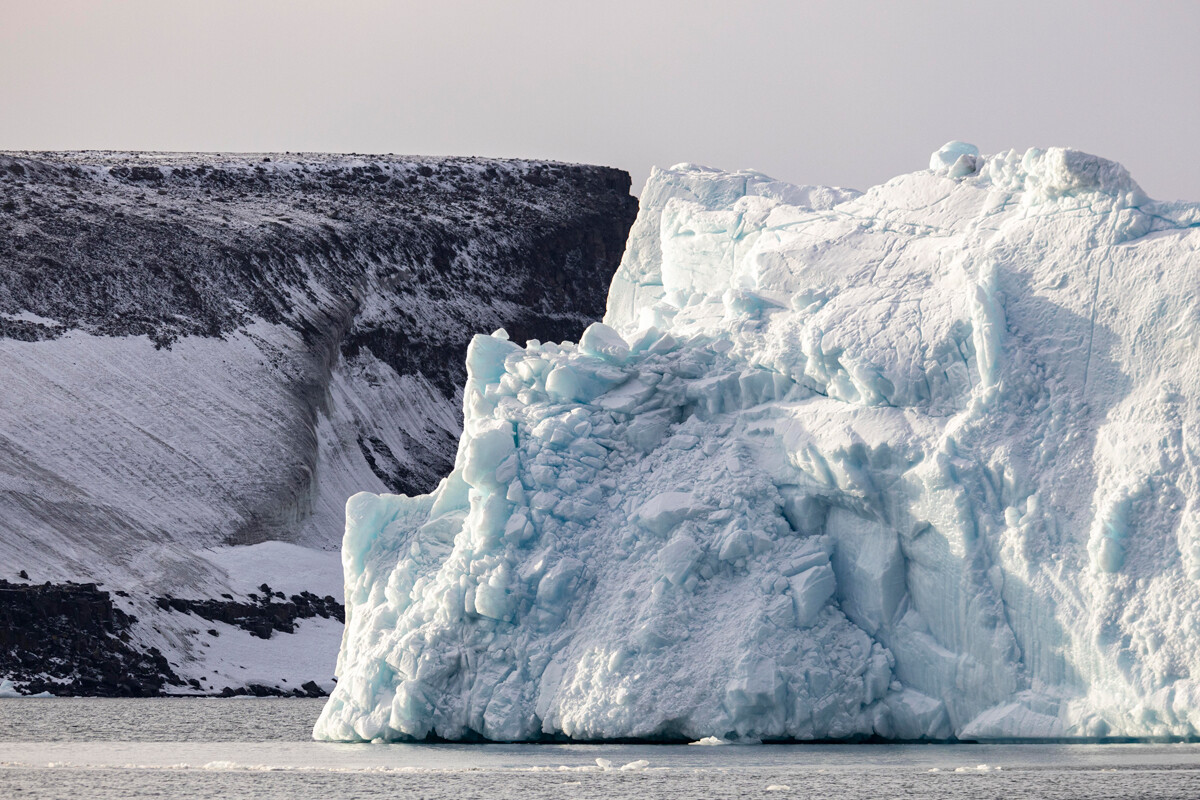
(846, 93)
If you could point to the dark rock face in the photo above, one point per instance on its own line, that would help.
(69, 639)
(262, 616)
(186, 247)
(208, 351)
(309, 689)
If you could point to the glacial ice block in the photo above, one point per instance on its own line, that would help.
(916, 463)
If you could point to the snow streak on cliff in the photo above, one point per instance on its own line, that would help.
(914, 463)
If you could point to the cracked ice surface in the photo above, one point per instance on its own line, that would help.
(920, 462)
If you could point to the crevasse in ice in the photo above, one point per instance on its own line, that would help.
(918, 463)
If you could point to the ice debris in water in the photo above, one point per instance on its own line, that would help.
(916, 463)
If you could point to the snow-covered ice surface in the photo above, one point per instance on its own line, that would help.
(918, 463)
(293, 568)
(236, 657)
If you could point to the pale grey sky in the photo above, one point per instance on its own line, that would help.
(846, 93)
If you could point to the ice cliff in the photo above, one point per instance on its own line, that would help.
(919, 462)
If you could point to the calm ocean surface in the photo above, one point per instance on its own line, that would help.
(215, 748)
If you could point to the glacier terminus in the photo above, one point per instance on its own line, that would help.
(916, 463)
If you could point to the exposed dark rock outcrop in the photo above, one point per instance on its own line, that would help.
(264, 615)
(69, 639)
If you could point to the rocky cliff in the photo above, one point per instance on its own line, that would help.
(203, 356)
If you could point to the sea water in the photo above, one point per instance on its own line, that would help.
(85, 748)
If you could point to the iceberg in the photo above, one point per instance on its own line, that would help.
(914, 463)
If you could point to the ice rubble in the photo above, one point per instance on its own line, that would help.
(920, 463)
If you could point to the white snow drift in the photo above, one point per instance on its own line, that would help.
(921, 462)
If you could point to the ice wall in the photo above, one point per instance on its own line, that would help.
(918, 463)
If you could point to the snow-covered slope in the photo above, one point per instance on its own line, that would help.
(201, 353)
(915, 463)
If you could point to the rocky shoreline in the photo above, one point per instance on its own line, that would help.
(72, 639)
